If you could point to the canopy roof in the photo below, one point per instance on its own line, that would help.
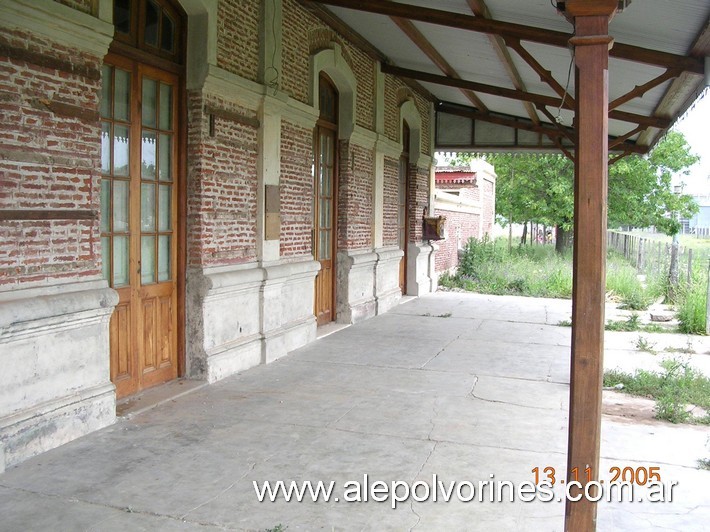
(498, 69)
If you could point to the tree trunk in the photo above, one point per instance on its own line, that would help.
(523, 239)
(562, 239)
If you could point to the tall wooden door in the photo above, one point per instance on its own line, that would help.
(139, 140)
(325, 194)
(403, 207)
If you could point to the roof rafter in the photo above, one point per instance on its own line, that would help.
(515, 94)
(480, 9)
(432, 53)
(693, 65)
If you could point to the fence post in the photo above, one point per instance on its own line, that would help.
(639, 260)
(690, 265)
(658, 247)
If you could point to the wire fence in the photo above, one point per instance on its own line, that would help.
(650, 255)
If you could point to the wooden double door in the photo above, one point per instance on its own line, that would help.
(139, 142)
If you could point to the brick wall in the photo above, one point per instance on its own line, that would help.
(390, 235)
(222, 184)
(237, 37)
(356, 167)
(418, 199)
(50, 159)
(296, 189)
(460, 226)
(85, 6)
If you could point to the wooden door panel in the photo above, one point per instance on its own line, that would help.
(165, 331)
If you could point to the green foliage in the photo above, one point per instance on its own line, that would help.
(540, 188)
(630, 324)
(692, 309)
(623, 282)
(642, 344)
(674, 388)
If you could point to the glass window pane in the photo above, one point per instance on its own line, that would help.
(166, 107)
(326, 181)
(120, 261)
(120, 206)
(148, 155)
(105, 205)
(122, 15)
(152, 12)
(106, 258)
(147, 259)
(106, 79)
(164, 258)
(120, 150)
(105, 148)
(147, 207)
(325, 214)
(324, 245)
(166, 157)
(168, 31)
(164, 210)
(148, 105)
(122, 95)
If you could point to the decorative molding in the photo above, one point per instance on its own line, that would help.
(333, 63)
(58, 23)
(364, 137)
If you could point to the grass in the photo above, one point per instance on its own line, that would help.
(487, 267)
(692, 310)
(674, 388)
(642, 344)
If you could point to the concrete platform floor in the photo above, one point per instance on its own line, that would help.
(458, 385)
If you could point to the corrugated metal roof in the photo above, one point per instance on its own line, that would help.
(660, 25)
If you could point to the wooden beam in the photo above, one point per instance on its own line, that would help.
(516, 31)
(514, 94)
(640, 90)
(432, 53)
(545, 75)
(480, 9)
(591, 44)
(47, 214)
(453, 109)
(332, 20)
(616, 159)
(566, 132)
(623, 138)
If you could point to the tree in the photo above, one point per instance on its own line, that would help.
(539, 188)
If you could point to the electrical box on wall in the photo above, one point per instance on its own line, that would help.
(434, 228)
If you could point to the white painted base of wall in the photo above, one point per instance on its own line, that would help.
(421, 269)
(54, 350)
(355, 288)
(240, 317)
(387, 291)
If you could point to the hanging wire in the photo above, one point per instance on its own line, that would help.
(274, 81)
(558, 118)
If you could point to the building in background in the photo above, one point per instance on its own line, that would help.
(465, 196)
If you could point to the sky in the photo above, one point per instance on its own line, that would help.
(694, 125)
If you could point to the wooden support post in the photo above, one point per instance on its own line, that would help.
(591, 43)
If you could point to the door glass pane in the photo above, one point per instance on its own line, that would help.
(120, 261)
(122, 15)
(164, 210)
(327, 178)
(325, 214)
(166, 157)
(105, 205)
(120, 150)
(329, 150)
(105, 148)
(106, 79)
(147, 259)
(148, 155)
(324, 245)
(122, 95)
(152, 13)
(120, 206)
(148, 108)
(166, 107)
(164, 258)
(166, 39)
(106, 257)
(147, 207)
